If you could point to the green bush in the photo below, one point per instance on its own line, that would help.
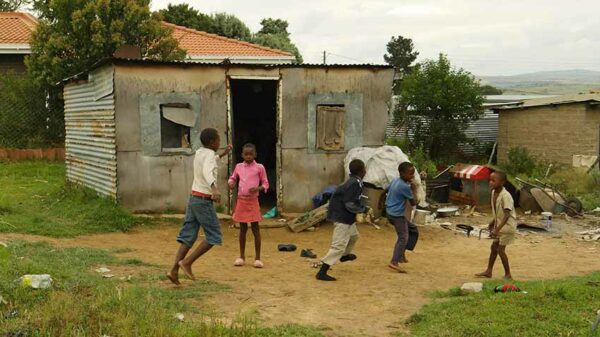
(422, 162)
(520, 161)
(416, 155)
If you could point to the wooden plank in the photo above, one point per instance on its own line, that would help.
(309, 219)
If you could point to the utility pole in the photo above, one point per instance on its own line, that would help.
(324, 57)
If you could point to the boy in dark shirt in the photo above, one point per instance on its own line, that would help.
(343, 207)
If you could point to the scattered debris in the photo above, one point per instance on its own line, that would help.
(595, 324)
(11, 314)
(42, 281)
(180, 316)
(530, 227)
(3, 244)
(271, 213)
(527, 212)
(2, 301)
(591, 235)
(447, 211)
(108, 275)
(471, 287)
(467, 228)
(506, 288)
(309, 219)
(102, 270)
(310, 229)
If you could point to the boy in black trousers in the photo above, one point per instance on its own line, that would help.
(343, 207)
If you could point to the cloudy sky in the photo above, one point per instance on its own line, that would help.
(482, 36)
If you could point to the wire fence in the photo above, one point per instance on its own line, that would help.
(29, 117)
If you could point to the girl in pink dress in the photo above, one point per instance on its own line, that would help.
(251, 178)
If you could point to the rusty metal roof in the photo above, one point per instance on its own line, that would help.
(554, 100)
(188, 63)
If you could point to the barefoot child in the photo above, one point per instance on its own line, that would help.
(343, 207)
(503, 225)
(200, 211)
(400, 196)
(251, 179)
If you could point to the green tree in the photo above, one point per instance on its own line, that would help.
(441, 102)
(401, 55)
(490, 90)
(184, 15)
(230, 26)
(274, 26)
(13, 5)
(74, 34)
(274, 34)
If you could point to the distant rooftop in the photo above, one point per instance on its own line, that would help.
(206, 47)
(15, 32)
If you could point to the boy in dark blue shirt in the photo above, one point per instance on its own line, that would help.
(399, 194)
(344, 204)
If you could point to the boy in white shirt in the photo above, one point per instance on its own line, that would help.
(200, 211)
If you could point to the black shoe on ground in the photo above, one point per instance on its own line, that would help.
(308, 253)
(349, 257)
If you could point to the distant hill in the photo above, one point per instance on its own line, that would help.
(547, 82)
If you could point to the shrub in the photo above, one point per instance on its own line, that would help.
(520, 162)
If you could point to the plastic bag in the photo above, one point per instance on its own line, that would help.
(382, 167)
(36, 281)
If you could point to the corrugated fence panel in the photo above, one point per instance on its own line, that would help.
(90, 140)
(485, 130)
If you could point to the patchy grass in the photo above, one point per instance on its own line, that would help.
(82, 303)
(35, 200)
(565, 307)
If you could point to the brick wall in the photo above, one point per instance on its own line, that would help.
(12, 62)
(553, 133)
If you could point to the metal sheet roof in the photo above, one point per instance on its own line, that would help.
(554, 100)
(188, 63)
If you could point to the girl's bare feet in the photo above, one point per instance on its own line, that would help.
(508, 277)
(173, 278)
(187, 270)
(486, 274)
(396, 268)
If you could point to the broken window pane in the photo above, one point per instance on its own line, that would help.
(176, 121)
(330, 127)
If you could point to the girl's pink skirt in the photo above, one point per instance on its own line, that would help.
(247, 210)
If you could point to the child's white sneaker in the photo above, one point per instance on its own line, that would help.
(238, 262)
(258, 264)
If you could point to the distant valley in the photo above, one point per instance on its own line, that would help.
(547, 82)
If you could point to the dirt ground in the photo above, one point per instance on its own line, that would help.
(368, 299)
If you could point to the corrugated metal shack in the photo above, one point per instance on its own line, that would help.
(132, 126)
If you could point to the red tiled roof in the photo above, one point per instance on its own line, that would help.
(201, 43)
(16, 27)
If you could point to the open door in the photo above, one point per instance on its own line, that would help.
(254, 120)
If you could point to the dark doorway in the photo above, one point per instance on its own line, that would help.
(254, 112)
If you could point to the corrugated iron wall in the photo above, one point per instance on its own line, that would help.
(90, 139)
(485, 130)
